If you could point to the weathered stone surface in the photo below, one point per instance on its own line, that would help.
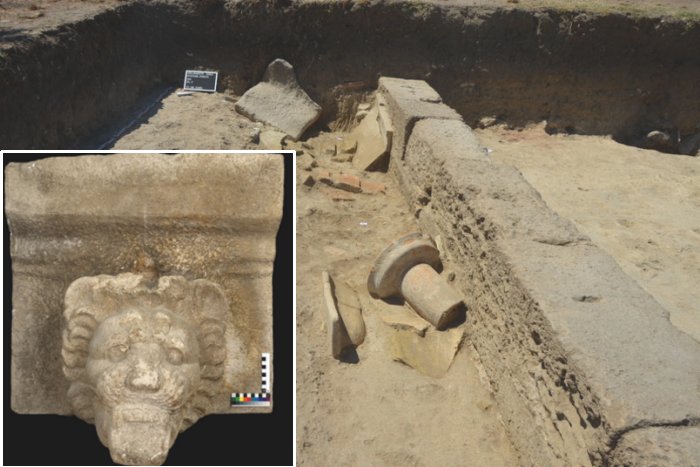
(408, 101)
(198, 216)
(659, 446)
(602, 366)
(271, 139)
(431, 354)
(278, 100)
(144, 357)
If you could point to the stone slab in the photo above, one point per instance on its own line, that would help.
(279, 100)
(204, 216)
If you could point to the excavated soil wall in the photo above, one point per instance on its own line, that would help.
(582, 72)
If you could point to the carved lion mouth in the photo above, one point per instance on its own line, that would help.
(141, 434)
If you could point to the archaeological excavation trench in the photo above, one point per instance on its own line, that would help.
(581, 332)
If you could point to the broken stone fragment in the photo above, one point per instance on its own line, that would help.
(278, 100)
(342, 158)
(374, 135)
(350, 311)
(431, 354)
(349, 146)
(309, 180)
(487, 122)
(345, 326)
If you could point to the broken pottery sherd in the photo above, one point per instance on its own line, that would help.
(345, 326)
(401, 318)
(431, 354)
(278, 100)
(350, 311)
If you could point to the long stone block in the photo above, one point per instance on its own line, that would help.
(578, 353)
(408, 101)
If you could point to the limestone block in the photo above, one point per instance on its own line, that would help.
(408, 101)
(278, 100)
(630, 366)
(162, 266)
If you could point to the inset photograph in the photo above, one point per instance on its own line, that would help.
(150, 297)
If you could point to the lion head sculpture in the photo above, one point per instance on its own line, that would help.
(143, 362)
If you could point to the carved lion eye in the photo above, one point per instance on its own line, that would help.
(117, 352)
(175, 356)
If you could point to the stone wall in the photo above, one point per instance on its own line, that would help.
(581, 359)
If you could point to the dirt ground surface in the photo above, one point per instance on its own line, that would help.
(22, 19)
(375, 411)
(641, 206)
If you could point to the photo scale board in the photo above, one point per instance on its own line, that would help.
(198, 80)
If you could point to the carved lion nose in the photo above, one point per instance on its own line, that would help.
(144, 377)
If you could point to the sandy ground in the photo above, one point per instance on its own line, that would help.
(641, 206)
(376, 411)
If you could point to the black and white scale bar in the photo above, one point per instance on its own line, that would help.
(259, 399)
(265, 374)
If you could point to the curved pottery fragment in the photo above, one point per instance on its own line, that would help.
(143, 362)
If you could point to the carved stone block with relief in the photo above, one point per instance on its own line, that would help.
(142, 290)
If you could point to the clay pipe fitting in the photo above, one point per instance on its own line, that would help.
(407, 269)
